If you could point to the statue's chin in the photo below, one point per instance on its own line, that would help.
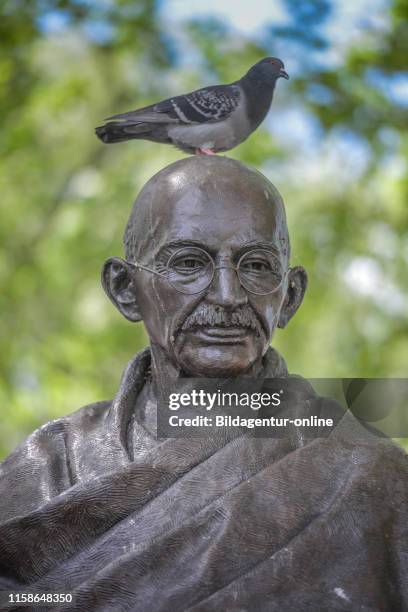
(209, 362)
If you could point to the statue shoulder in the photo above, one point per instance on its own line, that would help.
(41, 466)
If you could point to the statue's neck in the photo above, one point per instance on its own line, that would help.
(164, 376)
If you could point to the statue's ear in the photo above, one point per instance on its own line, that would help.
(119, 286)
(297, 283)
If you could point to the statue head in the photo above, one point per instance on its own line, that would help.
(207, 266)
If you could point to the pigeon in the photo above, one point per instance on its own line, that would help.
(206, 121)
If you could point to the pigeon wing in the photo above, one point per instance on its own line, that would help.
(201, 106)
(209, 104)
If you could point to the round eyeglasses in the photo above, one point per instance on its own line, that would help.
(191, 270)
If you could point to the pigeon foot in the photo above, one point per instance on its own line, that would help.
(201, 151)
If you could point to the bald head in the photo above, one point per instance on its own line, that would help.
(205, 193)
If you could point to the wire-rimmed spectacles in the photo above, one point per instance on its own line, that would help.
(191, 270)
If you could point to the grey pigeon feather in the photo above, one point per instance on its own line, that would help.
(206, 121)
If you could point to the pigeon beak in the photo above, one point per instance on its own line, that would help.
(283, 73)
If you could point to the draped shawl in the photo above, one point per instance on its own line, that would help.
(217, 523)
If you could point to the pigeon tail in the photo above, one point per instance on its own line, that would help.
(116, 131)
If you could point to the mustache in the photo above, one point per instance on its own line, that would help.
(207, 315)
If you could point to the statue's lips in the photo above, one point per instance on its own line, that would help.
(222, 335)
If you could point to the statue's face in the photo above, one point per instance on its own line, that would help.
(224, 218)
(219, 206)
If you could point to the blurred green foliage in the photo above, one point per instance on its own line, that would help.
(65, 197)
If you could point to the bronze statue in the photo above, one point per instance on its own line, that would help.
(93, 504)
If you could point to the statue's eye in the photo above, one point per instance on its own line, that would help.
(190, 263)
(255, 265)
(260, 263)
(187, 264)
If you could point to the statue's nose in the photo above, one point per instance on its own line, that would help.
(226, 289)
